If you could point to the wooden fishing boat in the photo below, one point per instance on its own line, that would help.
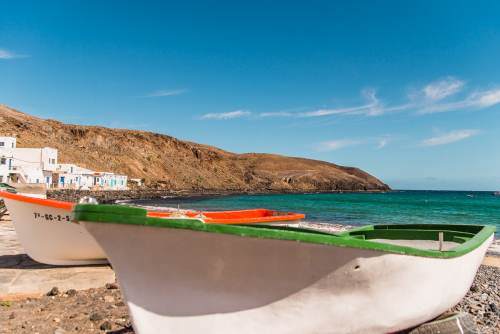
(180, 275)
(43, 227)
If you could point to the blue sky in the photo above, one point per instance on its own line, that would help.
(407, 91)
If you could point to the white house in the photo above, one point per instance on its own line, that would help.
(26, 165)
(6, 167)
(76, 177)
(6, 159)
(73, 176)
(107, 180)
(7, 142)
(39, 166)
(44, 158)
(34, 165)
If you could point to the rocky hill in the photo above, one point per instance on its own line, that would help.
(170, 163)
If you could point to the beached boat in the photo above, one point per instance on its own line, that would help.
(45, 231)
(264, 216)
(184, 276)
(43, 227)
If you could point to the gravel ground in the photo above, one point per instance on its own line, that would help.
(483, 300)
(103, 310)
(88, 311)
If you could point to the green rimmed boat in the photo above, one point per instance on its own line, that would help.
(185, 276)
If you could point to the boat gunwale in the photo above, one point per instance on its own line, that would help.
(118, 215)
(39, 201)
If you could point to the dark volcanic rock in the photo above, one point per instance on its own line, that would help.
(96, 316)
(53, 292)
(111, 286)
(106, 326)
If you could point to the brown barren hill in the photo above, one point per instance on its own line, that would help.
(170, 163)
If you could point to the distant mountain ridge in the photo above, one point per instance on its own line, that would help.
(166, 162)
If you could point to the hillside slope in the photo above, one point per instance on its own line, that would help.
(167, 162)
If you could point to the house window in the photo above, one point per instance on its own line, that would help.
(2, 144)
(3, 161)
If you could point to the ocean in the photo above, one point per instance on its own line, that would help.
(401, 207)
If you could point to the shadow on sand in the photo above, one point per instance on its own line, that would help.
(23, 261)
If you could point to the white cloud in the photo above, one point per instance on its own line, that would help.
(277, 114)
(226, 115)
(450, 137)
(476, 100)
(382, 142)
(5, 54)
(333, 145)
(372, 108)
(435, 97)
(486, 99)
(443, 88)
(160, 93)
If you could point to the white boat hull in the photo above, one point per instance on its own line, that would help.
(48, 235)
(182, 281)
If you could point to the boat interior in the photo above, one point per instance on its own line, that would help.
(231, 217)
(420, 236)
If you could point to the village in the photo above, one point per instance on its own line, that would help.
(39, 166)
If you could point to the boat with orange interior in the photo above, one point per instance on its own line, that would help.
(47, 232)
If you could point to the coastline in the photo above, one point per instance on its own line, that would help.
(111, 196)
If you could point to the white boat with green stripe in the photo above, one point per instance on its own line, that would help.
(185, 276)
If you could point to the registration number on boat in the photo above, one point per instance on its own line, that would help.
(51, 217)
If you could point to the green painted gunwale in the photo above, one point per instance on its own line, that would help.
(469, 236)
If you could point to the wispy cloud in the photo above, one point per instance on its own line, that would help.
(450, 137)
(476, 100)
(6, 54)
(333, 145)
(437, 96)
(371, 107)
(278, 114)
(171, 92)
(442, 88)
(383, 142)
(337, 144)
(283, 113)
(226, 115)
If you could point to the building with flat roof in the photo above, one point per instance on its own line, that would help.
(40, 166)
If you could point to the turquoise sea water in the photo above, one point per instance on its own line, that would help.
(448, 207)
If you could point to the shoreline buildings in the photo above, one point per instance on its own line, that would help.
(40, 166)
